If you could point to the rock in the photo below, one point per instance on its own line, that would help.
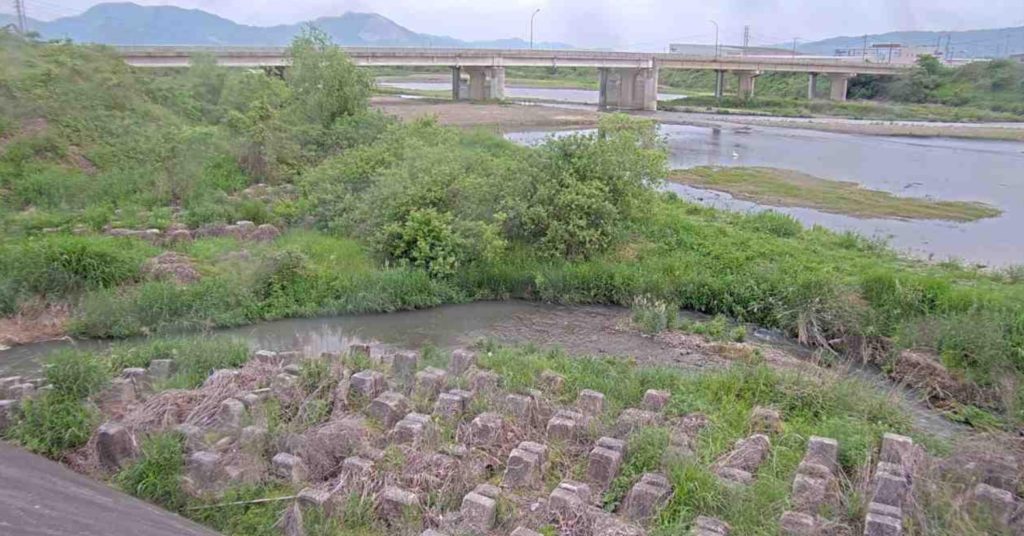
(899, 450)
(318, 498)
(632, 419)
(245, 226)
(809, 493)
(254, 439)
(461, 361)
(478, 512)
(882, 525)
(194, 436)
(173, 267)
(519, 407)
(265, 232)
(222, 377)
(395, 504)
(204, 470)
(524, 467)
(115, 446)
(160, 369)
(889, 489)
(21, 391)
(368, 384)
(747, 454)
(603, 466)
(289, 467)
(645, 497)
(483, 381)
(413, 429)
(656, 400)
(709, 526)
(823, 451)
(404, 365)
(231, 414)
(357, 467)
(611, 443)
(590, 402)
(430, 382)
(733, 476)
(565, 426)
(178, 236)
(8, 414)
(797, 524)
(388, 408)
(765, 421)
(568, 499)
(998, 504)
(552, 381)
(487, 429)
(523, 531)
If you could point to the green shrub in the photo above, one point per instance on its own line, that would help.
(155, 475)
(62, 265)
(53, 424)
(75, 375)
(195, 358)
(653, 316)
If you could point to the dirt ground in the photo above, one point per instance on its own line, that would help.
(501, 117)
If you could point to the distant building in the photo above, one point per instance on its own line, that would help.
(1017, 57)
(891, 53)
(688, 49)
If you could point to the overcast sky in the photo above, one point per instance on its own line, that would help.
(633, 24)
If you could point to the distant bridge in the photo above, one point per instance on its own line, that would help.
(628, 80)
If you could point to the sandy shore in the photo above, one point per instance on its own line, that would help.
(501, 117)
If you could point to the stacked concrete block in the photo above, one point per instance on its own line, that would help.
(656, 400)
(709, 526)
(413, 429)
(395, 504)
(290, 468)
(646, 497)
(487, 429)
(740, 464)
(566, 425)
(525, 467)
(388, 408)
(815, 487)
(453, 404)
(890, 486)
(115, 446)
(461, 361)
(633, 419)
(604, 461)
(367, 384)
(569, 499)
(590, 402)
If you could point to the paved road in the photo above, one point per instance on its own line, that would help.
(39, 497)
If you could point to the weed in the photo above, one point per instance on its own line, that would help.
(155, 475)
(653, 316)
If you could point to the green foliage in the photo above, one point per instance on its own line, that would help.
(717, 329)
(653, 316)
(155, 476)
(53, 424)
(195, 358)
(327, 86)
(75, 375)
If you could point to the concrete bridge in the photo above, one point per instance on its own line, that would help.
(628, 80)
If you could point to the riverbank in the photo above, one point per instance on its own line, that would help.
(788, 188)
(499, 117)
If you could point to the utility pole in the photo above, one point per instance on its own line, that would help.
(794, 46)
(531, 26)
(19, 11)
(716, 38)
(746, 38)
(864, 49)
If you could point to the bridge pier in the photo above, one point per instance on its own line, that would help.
(485, 83)
(747, 79)
(812, 86)
(719, 84)
(628, 88)
(840, 83)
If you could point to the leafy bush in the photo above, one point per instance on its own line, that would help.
(62, 265)
(653, 316)
(155, 475)
(75, 375)
(53, 424)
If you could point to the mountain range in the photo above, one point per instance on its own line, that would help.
(132, 24)
(993, 43)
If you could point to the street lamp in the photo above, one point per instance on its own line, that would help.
(716, 38)
(531, 26)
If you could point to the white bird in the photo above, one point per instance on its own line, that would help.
(735, 155)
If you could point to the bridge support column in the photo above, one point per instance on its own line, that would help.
(628, 88)
(840, 83)
(485, 83)
(747, 79)
(812, 86)
(719, 84)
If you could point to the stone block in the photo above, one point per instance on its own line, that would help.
(231, 414)
(222, 377)
(611, 443)
(450, 405)
(357, 467)
(998, 504)
(289, 467)
(797, 524)
(899, 450)
(747, 454)
(656, 400)
(488, 490)
(765, 421)
(8, 413)
(160, 369)
(734, 476)
(413, 429)
(478, 513)
(823, 451)
(568, 499)
(523, 531)
(430, 382)
(563, 426)
(607, 524)
(204, 470)
(519, 407)
(881, 525)
(115, 446)
(316, 498)
(645, 497)
(388, 408)
(461, 361)
(552, 381)
(709, 526)
(590, 402)
(483, 381)
(889, 489)
(284, 386)
(633, 419)
(368, 384)
(487, 429)
(603, 466)
(395, 504)
(254, 439)
(523, 469)
(404, 365)
(809, 493)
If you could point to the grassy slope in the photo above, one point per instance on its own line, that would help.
(786, 188)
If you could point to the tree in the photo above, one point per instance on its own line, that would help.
(325, 84)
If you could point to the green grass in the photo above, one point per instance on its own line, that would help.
(786, 188)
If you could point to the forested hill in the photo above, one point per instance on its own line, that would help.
(132, 24)
(993, 43)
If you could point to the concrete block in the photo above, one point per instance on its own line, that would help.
(413, 429)
(205, 470)
(889, 489)
(388, 408)
(632, 419)
(316, 498)
(289, 467)
(523, 531)
(880, 525)
(709, 526)
(747, 454)
(734, 476)
(478, 512)
(450, 405)
(997, 503)
(8, 413)
(483, 381)
(603, 466)
(368, 384)
(523, 469)
(899, 450)
(461, 361)
(404, 365)
(254, 439)
(430, 382)
(115, 446)
(394, 504)
(590, 402)
(231, 414)
(487, 429)
(552, 381)
(519, 407)
(823, 451)
(568, 499)
(656, 400)
(160, 369)
(765, 421)
(611, 443)
(797, 524)
(809, 493)
(645, 497)
(562, 427)
(607, 524)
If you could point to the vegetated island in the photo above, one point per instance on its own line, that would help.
(788, 188)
